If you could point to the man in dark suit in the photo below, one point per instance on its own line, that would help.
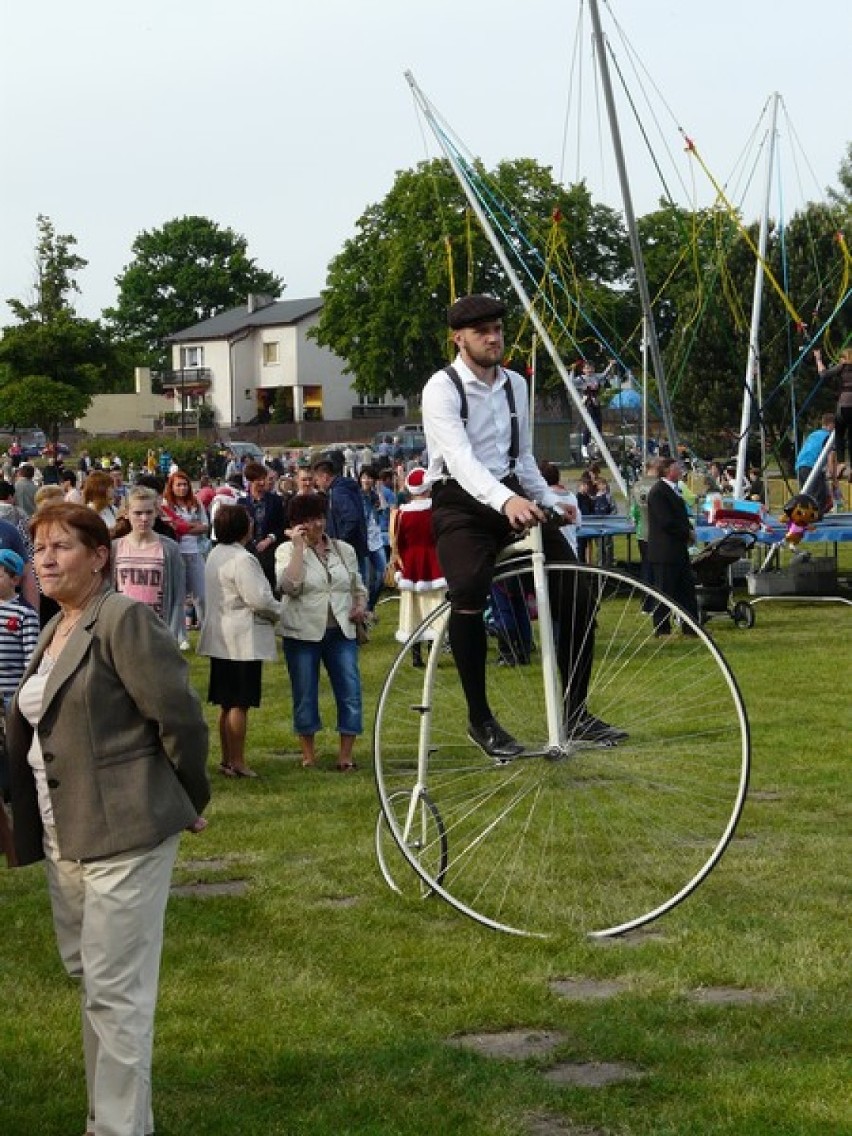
(268, 514)
(669, 536)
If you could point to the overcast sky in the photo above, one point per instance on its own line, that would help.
(285, 119)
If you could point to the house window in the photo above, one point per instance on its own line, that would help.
(270, 353)
(191, 357)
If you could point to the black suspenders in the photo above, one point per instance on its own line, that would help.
(514, 442)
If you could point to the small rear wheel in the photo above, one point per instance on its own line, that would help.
(425, 844)
(743, 614)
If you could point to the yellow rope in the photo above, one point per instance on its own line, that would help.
(720, 196)
(842, 291)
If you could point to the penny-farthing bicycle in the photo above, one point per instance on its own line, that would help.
(571, 835)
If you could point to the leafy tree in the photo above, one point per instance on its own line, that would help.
(40, 401)
(388, 289)
(55, 265)
(843, 195)
(181, 274)
(67, 349)
(51, 359)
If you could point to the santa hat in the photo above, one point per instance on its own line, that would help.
(415, 482)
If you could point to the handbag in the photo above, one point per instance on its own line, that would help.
(362, 634)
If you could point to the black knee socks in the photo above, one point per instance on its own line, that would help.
(470, 648)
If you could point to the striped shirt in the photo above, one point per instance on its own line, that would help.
(19, 631)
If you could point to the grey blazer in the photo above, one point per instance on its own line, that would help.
(122, 733)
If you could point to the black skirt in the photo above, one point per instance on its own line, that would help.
(234, 683)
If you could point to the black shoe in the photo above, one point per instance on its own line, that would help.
(587, 728)
(493, 739)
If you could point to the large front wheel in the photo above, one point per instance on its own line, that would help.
(582, 835)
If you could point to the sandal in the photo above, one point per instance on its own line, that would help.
(346, 767)
(243, 771)
(227, 770)
(309, 765)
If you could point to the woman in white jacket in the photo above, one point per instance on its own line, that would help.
(238, 632)
(326, 599)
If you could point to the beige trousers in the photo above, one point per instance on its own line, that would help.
(108, 917)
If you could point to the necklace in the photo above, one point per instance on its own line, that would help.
(67, 624)
(65, 628)
(321, 553)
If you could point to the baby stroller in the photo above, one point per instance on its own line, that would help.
(712, 571)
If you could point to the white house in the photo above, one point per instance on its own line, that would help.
(256, 359)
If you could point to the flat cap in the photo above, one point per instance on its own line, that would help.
(470, 310)
(333, 459)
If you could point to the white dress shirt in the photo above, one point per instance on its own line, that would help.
(477, 455)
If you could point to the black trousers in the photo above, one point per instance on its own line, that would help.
(843, 435)
(469, 536)
(674, 580)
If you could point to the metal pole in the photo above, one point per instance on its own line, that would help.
(632, 230)
(644, 394)
(514, 280)
(819, 464)
(753, 359)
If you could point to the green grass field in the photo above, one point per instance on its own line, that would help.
(315, 1001)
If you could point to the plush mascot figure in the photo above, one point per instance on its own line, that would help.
(801, 512)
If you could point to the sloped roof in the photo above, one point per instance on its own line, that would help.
(238, 319)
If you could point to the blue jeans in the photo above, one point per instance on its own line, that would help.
(339, 656)
(372, 572)
(193, 563)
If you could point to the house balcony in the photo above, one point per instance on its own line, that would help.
(187, 382)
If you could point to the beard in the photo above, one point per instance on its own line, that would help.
(484, 355)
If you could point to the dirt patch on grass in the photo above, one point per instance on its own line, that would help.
(593, 1074)
(338, 901)
(212, 865)
(729, 996)
(634, 938)
(548, 1124)
(210, 890)
(510, 1045)
(587, 989)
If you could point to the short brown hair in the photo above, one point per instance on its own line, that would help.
(549, 471)
(85, 523)
(231, 524)
(98, 489)
(665, 464)
(254, 471)
(307, 506)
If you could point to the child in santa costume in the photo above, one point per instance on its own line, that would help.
(418, 574)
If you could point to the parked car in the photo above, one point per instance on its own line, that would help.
(410, 439)
(249, 450)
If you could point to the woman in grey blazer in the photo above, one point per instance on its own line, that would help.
(107, 751)
(238, 632)
(326, 599)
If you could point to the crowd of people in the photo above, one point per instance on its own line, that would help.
(104, 572)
